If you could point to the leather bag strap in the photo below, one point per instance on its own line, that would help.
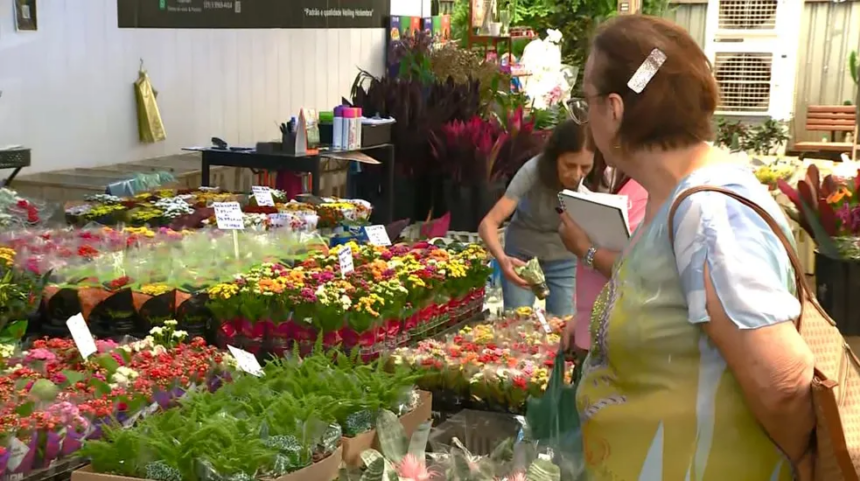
(803, 291)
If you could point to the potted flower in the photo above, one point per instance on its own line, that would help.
(829, 211)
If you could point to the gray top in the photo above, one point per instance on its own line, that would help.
(533, 231)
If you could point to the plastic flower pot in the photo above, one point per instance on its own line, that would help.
(332, 339)
(392, 333)
(4, 459)
(53, 445)
(72, 442)
(281, 338)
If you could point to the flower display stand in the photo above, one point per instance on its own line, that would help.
(837, 284)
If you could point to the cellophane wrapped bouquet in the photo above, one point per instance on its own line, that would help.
(496, 365)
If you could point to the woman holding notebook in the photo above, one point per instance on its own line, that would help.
(532, 199)
(589, 279)
(696, 369)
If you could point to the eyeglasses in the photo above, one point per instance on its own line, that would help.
(577, 110)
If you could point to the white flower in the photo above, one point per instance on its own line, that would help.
(6, 351)
(228, 361)
(119, 380)
(180, 335)
(126, 372)
(157, 331)
(171, 323)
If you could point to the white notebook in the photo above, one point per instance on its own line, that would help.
(602, 216)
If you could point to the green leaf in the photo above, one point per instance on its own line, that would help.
(418, 443)
(375, 470)
(392, 438)
(44, 390)
(102, 388)
(825, 244)
(14, 331)
(25, 409)
(543, 470)
(108, 362)
(72, 377)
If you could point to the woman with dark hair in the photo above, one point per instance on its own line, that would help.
(532, 199)
(589, 279)
(696, 369)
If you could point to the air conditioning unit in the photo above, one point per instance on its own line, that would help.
(753, 46)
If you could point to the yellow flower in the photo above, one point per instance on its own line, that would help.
(7, 256)
(155, 289)
(223, 291)
(139, 231)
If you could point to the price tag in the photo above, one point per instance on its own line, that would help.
(542, 318)
(263, 196)
(345, 258)
(377, 235)
(17, 451)
(246, 361)
(81, 335)
(229, 215)
(279, 220)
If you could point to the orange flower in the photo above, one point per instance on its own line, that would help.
(837, 196)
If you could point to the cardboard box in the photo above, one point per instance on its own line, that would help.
(325, 470)
(353, 447)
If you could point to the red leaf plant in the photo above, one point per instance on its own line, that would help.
(826, 209)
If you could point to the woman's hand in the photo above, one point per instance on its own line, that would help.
(508, 264)
(574, 238)
(568, 337)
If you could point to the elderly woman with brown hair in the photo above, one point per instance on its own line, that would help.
(696, 370)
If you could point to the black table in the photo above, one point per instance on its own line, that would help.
(275, 161)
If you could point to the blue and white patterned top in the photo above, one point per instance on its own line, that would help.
(657, 400)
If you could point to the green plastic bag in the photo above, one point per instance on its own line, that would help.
(553, 421)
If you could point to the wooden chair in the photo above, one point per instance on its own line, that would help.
(833, 119)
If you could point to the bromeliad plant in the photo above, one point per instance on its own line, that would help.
(401, 458)
(829, 211)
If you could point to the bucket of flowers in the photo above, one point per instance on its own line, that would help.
(828, 210)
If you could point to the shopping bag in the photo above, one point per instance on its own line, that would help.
(553, 422)
(149, 124)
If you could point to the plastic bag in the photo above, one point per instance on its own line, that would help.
(552, 423)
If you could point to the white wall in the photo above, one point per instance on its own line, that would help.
(67, 88)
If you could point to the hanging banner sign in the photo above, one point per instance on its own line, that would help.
(252, 13)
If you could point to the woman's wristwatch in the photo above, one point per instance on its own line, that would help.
(589, 257)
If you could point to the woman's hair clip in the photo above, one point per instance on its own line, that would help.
(646, 71)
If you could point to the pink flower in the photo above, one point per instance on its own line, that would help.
(105, 345)
(411, 468)
(41, 354)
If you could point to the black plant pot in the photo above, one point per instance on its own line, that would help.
(469, 203)
(837, 288)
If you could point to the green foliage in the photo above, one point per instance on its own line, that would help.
(253, 427)
(853, 67)
(759, 139)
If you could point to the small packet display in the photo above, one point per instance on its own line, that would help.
(533, 274)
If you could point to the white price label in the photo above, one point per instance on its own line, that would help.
(377, 235)
(229, 215)
(246, 361)
(263, 195)
(17, 451)
(279, 220)
(345, 258)
(542, 318)
(81, 335)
